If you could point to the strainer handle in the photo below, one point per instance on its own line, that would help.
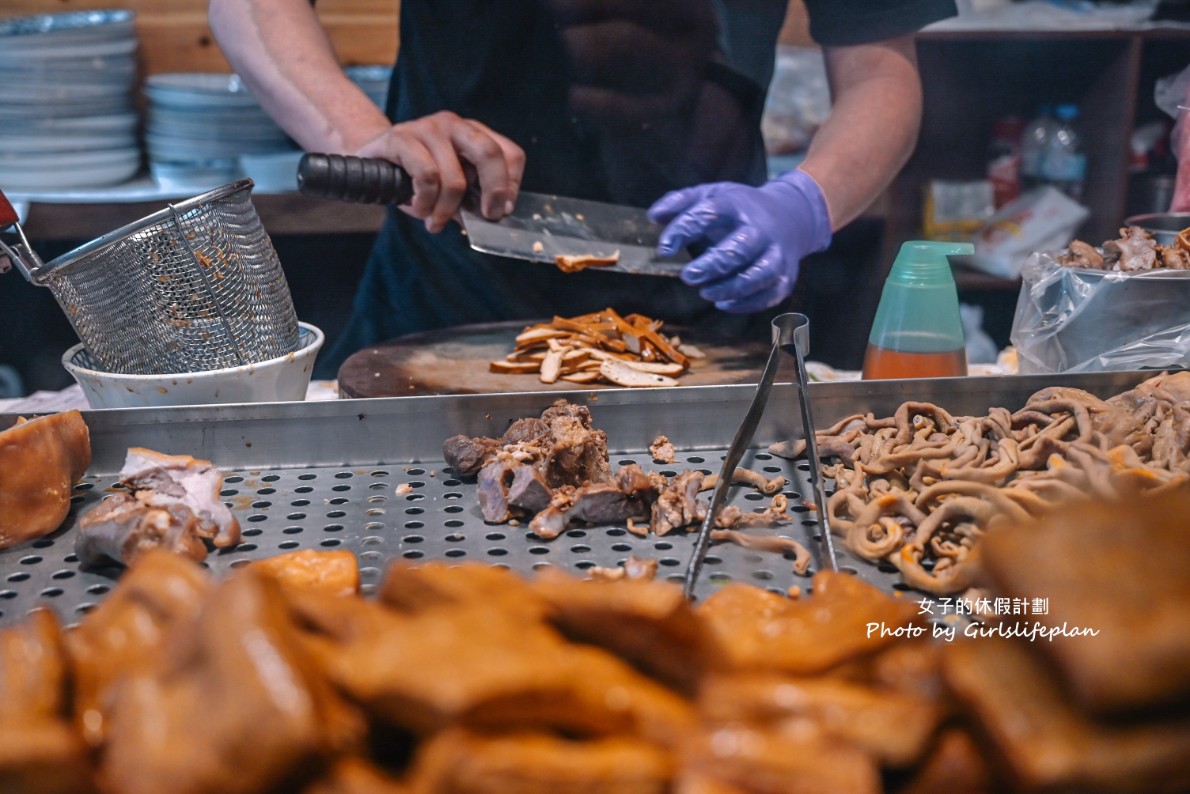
(8, 215)
(21, 253)
(359, 179)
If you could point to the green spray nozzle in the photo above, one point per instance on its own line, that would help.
(925, 261)
(919, 307)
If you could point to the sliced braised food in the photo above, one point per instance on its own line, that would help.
(40, 461)
(600, 347)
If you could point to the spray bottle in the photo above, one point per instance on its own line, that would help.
(918, 332)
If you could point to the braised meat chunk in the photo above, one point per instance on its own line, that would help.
(173, 503)
(40, 461)
(518, 473)
(121, 528)
(1135, 250)
(161, 480)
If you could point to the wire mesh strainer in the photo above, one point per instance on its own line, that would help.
(194, 287)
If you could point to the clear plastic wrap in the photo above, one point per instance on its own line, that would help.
(1079, 320)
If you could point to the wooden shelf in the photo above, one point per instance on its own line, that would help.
(969, 279)
(280, 213)
(971, 78)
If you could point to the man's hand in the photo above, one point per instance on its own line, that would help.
(758, 235)
(442, 154)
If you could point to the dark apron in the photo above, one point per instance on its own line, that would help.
(690, 114)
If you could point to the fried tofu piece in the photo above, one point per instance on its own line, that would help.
(758, 761)
(233, 705)
(40, 461)
(894, 728)
(538, 763)
(355, 775)
(44, 757)
(33, 669)
(332, 572)
(40, 753)
(1044, 742)
(482, 668)
(1116, 568)
(412, 588)
(650, 624)
(955, 763)
(128, 630)
(842, 621)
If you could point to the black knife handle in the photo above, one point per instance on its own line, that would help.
(358, 179)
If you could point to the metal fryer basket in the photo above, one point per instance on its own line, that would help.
(194, 287)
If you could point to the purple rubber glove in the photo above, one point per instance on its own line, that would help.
(758, 237)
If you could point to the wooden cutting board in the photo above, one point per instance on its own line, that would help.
(455, 361)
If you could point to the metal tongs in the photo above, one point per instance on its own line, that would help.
(791, 334)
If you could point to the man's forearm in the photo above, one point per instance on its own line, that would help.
(280, 50)
(872, 128)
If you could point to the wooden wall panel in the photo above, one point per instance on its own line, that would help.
(175, 37)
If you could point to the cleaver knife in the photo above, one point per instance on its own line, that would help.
(562, 231)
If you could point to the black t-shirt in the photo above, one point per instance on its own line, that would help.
(834, 23)
(619, 100)
(612, 100)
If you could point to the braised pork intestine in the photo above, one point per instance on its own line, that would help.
(918, 490)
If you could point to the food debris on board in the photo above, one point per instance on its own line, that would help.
(662, 450)
(599, 347)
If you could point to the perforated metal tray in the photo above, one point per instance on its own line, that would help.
(369, 476)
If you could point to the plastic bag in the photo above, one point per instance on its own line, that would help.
(1171, 92)
(980, 347)
(1076, 320)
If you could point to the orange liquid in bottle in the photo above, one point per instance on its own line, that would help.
(882, 364)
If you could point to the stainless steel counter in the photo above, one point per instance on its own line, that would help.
(369, 476)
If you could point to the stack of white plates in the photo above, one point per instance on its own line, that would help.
(198, 126)
(373, 80)
(67, 117)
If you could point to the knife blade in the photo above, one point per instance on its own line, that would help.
(542, 228)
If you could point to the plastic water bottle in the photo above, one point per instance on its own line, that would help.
(918, 330)
(1064, 163)
(1034, 142)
